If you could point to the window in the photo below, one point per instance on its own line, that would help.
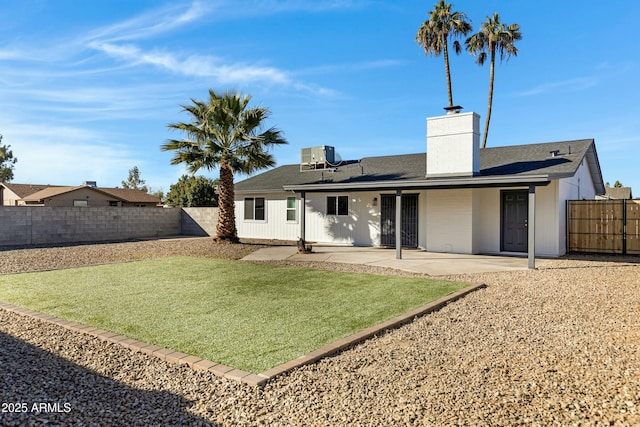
(337, 205)
(254, 208)
(80, 203)
(291, 208)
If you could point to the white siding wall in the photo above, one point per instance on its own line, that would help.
(275, 225)
(360, 227)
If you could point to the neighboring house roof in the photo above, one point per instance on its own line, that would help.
(23, 190)
(618, 193)
(130, 195)
(499, 166)
(122, 194)
(48, 193)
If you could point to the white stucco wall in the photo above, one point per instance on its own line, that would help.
(450, 221)
(361, 227)
(547, 223)
(548, 233)
(489, 220)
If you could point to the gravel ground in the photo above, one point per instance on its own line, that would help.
(56, 257)
(556, 346)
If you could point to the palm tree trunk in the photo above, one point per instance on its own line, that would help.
(226, 227)
(448, 72)
(486, 123)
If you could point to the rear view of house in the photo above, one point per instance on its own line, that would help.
(454, 198)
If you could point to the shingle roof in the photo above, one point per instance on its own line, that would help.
(619, 193)
(48, 192)
(23, 190)
(500, 162)
(123, 194)
(130, 195)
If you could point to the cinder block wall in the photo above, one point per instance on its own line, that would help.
(199, 221)
(33, 225)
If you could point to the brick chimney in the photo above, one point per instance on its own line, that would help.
(453, 144)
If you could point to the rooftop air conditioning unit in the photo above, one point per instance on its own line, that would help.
(317, 157)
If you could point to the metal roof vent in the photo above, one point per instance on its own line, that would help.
(455, 109)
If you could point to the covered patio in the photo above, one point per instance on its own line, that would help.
(400, 186)
(413, 260)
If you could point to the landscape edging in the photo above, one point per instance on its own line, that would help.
(228, 372)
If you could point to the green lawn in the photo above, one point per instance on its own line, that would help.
(248, 316)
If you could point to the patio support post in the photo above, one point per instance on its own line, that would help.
(303, 209)
(531, 223)
(398, 224)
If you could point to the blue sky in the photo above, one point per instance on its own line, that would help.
(87, 88)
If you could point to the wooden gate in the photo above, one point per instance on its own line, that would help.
(603, 226)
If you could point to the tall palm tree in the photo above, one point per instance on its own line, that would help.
(225, 133)
(435, 32)
(493, 38)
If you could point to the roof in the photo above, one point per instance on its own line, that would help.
(122, 194)
(618, 193)
(23, 190)
(130, 195)
(499, 166)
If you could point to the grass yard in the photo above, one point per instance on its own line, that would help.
(248, 316)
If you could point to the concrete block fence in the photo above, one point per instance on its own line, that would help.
(199, 221)
(38, 225)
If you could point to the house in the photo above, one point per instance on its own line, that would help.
(11, 194)
(617, 193)
(456, 198)
(83, 195)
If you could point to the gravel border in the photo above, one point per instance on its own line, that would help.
(555, 346)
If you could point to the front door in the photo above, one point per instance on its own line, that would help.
(515, 211)
(408, 218)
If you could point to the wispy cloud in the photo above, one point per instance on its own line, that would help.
(149, 24)
(117, 41)
(579, 83)
(197, 65)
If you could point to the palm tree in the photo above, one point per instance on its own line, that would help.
(435, 32)
(493, 37)
(224, 133)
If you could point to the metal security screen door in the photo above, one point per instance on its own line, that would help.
(409, 220)
(515, 207)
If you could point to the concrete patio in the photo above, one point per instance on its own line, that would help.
(418, 261)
